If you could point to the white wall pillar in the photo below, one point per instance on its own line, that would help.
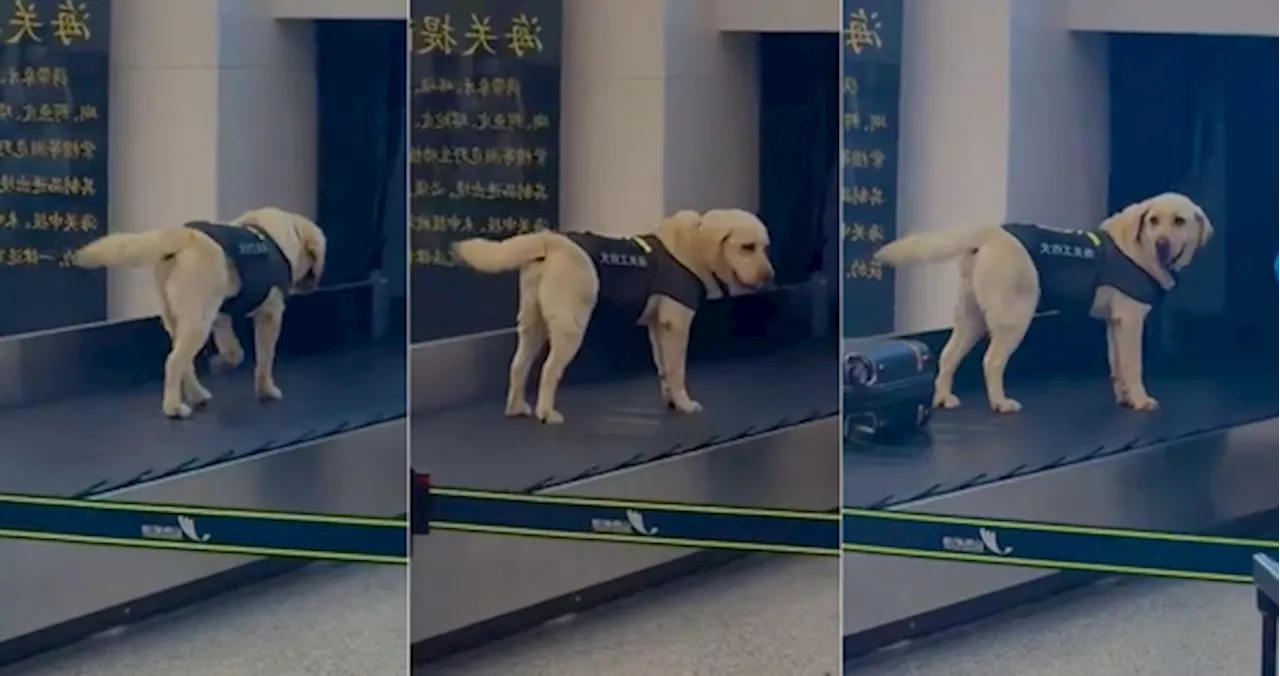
(1221, 17)
(612, 115)
(1004, 117)
(1059, 136)
(163, 128)
(711, 111)
(211, 112)
(954, 142)
(659, 113)
(267, 121)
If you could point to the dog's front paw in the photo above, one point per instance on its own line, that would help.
(686, 405)
(176, 411)
(518, 409)
(550, 416)
(1006, 405)
(1142, 403)
(946, 400)
(268, 392)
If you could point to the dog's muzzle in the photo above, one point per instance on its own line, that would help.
(762, 282)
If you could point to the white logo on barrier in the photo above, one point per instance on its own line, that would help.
(188, 526)
(987, 542)
(633, 525)
(991, 541)
(185, 530)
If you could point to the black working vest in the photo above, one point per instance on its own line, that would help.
(632, 269)
(1072, 264)
(259, 262)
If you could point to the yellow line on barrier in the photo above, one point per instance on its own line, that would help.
(1054, 528)
(193, 510)
(633, 539)
(203, 547)
(1043, 563)
(636, 504)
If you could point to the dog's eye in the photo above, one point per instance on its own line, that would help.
(1154, 220)
(749, 248)
(1179, 220)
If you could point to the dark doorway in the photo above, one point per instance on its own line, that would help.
(1197, 115)
(799, 150)
(360, 83)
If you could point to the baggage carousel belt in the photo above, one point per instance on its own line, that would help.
(619, 424)
(1063, 421)
(99, 442)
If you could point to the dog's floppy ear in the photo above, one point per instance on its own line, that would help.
(314, 245)
(713, 231)
(1127, 223)
(1189, 251)
(1206, 228)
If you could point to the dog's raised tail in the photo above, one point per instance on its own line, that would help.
(132, 248)
(932, 247)
(492, 256)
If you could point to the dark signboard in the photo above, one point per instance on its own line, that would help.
(484, 157)
(871, 83)
(53, 160)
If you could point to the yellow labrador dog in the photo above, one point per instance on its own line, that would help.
(1116, 274)
(208, 272)
(660, 278)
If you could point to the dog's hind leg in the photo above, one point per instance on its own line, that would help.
(192, 390)
(566, 295)
(1008, 291)
(564, 332)
(970, 326)
(190, 332)
(531, 337)
(1006, 334)
(230, 353)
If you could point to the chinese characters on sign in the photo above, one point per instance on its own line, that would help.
(484, 161)
(53, 160)
(870, 83)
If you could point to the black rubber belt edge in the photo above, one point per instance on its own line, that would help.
(679, 448)
(982, 479)
(195, 463)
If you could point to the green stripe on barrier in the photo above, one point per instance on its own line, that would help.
(207, 530)
(637, 522)
(587, 501)
(1110, 551)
